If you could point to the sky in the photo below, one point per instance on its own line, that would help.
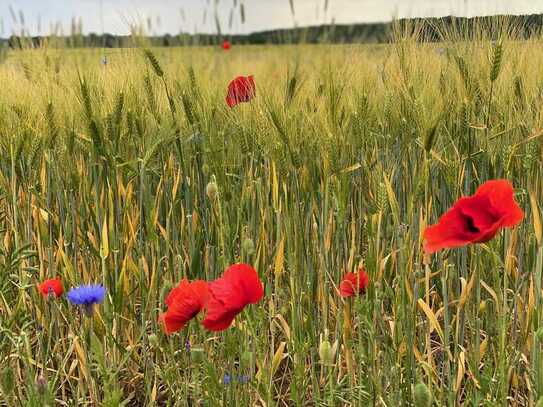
(173, 16)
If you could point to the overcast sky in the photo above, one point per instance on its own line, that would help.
(115, 16)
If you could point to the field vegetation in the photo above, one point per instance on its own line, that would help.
(127, 168)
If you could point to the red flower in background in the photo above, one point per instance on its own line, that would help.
(51, 287)
(241, 89)
(476, 218)
(226, 45)
(184, 302)
(354, 283)
(238, 287)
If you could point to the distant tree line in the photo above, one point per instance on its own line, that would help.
(429, 29)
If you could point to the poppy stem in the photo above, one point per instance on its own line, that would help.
(252, 331)
(476, 350)
(347, 334)
(446, 334)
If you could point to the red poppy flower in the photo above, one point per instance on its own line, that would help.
(238, 287)
(184, 302)
(354, 283)
(226, 45)
(476, 218)
(241, 89)
(52, 287)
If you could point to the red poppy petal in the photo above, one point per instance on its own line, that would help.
(241, 89)
(220, 324)
(176, 291)
(501, 195)
(364, 280)
(496, 187)
(450, 232)
(479, 213)
(246, 277)
(180, 313)
(477, 218)
(346, 288)
(228, 293)
(184, 302)
(172, 323)
(53, 286)
(231, 101)
(200, 289)
(218, 317)
(250, 85)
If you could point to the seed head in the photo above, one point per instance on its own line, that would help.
(153, 341)
(482, 307)
(422, 396)
(212, 190)
(248, 246)
(327, 351)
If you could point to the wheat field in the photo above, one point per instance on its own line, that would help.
(345, 155)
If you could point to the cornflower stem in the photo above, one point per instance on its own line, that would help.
(88, 353)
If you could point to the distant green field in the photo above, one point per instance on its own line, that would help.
(343, 157)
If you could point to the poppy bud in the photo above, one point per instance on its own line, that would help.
(327, 352)
(422, 396)
(41, 385)
(248, 246)
(8, 380)
(153, 340)
(212, 190)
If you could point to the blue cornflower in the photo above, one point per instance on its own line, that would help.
(87, 296)
(241, 379)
